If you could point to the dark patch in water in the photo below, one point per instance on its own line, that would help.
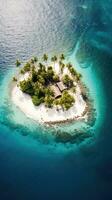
(77, 136)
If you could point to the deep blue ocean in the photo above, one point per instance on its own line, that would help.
(32, 165)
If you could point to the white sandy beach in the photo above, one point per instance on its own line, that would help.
(47, 115)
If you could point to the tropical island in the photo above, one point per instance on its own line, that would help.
(50, 90)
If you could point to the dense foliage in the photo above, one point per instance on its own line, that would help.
(42, 77)
(27, 87)
(67, 80)
(66, 101)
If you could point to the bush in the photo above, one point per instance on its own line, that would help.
(33, 67)
(50, 74)
(67, 81)
(27, 67)
(44, 76)
(67, 100)
(49, 92)
(56, 102)
(69, 66)
(73, 71)
(55, 78)
(34, 75)
(41, 80)
(48, 101)
(26, 87)
(50, 68)
(39, 92)
(37, 101)
(79, 76)
(22, 71)
(40, 65)
(73, 89)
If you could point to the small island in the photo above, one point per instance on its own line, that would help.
(49, 90)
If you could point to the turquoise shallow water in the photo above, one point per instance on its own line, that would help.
(32, 164)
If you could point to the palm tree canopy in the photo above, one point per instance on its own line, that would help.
(69, 65)
(60, 63)
(62, 57)
(54, 58)
(18, 63)
(40, 65)
(35, 59)
(45, 57)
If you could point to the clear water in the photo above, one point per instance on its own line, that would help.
(34, 166)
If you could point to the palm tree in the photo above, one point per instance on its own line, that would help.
(78, 76)
(67, 80)
(69, 66)
(40, 66)
(62, 57)
(54, 59)
(45, 57)
(35, 59)
(32, 60)
(48, 101)
(49, 92)
(18, 63)
(62, 65)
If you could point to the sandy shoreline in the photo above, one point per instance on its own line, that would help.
(47, 115)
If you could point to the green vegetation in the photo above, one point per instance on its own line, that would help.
(71, 69)
(45, 57)
(69, 66)
(34, 75)
(62, 57)
(34, 60)
(66, 101)
(55, 78)
(27, 87)
(50, 73)
(14, 79)
(42, 77)
(27, 67)
(73, 89)
(18, 63)
(37, 101)
(79, 76)
(54, 59)
(49, 101)
(22, 71)
(49, 92)
(67, 80)
(62, 66)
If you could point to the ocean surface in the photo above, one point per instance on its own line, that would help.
(33, 166)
